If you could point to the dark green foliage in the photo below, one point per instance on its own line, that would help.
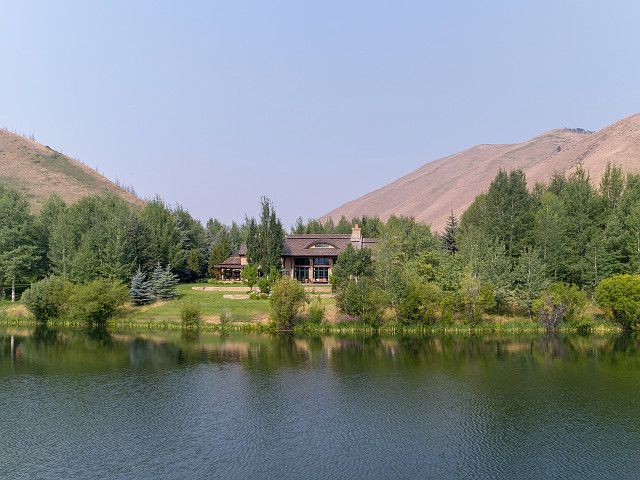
(418, 303)
(449, 236)
(163, 283)
(19, 248)
(352, 263)
(140, 290)
(362, 299)
(190, 314)
(619, 297)
(559, 303)
(47, 298)
(505, 213)
(220, 251)
(265, 239)
(287, 300)
(95, 302)
(165, 242)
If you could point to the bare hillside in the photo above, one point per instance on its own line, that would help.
(38, 171)
(451, 183)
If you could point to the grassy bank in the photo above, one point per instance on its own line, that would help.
(252, 315)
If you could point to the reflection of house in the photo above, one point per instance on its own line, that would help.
(307, 258)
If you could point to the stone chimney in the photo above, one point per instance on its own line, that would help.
(356, 237)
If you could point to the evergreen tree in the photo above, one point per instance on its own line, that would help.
(265, 239)
(449, 235)
(163, 283)
(343, 227)
(140, 291)
(219, 253)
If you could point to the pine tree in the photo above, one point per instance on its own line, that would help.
(140, 291)
(163, 283)
(449, 235)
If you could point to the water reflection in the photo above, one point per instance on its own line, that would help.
(171, 404)
(48, 346)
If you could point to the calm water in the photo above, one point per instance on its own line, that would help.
(123, 405)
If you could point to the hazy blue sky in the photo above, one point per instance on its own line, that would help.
(213, 104)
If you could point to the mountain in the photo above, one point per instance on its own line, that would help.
(38, 171)
(432, 191)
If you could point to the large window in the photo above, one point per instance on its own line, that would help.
(301, 273)
(321, 261)
(301, 262)
(321, 273)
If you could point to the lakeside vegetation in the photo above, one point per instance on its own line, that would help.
(563, 256)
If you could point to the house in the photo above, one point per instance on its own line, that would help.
(307, 258)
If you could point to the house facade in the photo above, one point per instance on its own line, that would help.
(306, 258)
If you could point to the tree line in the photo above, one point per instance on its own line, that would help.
(542, 252)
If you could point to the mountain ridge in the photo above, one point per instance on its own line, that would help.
(447, 184)
(37, 171)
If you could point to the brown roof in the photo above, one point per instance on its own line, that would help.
(232, 261)
(300, 245)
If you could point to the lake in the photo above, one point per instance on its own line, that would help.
(122, 404)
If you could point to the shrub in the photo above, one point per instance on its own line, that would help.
(47, 298)
(362, 299)
(190, 313)
(316, 311)
(287, 299)
(559, 303)
(619, 297)
(95, 302)
(225, 315)
(418, 303)
(264, 284)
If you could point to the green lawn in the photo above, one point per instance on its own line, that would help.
(211, 303)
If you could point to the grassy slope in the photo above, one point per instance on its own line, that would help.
(38, 171)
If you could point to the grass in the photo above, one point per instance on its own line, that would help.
(212, 304)
(252, 315)
(57, 162)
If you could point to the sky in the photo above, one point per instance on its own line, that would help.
(212, 105)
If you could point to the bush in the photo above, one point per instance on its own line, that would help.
(362, 299)
(95, 302)
(264, 284)
(418, 303)
(316, 312)
(287, 299)
(190, 313)
(47, 298)
(619, 297)
(559, 303)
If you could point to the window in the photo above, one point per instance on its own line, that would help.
(322, 245)
(321, 261)
(321, 273)
(302, 262)
(301, 273)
